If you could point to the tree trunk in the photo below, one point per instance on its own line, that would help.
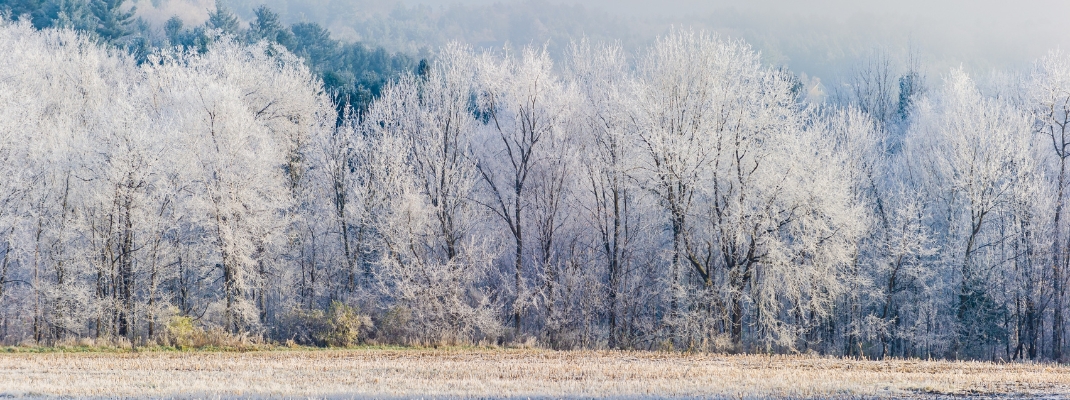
(737, 320)
(677, 245)
(517, 269)
(126, 272)
(229, 288)
(1059, 255)
(518, 262)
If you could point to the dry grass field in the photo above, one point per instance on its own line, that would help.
(508, 373)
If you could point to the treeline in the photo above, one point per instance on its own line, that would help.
(688, 200)
(353, 73)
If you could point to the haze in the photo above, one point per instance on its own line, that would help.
(823, 39)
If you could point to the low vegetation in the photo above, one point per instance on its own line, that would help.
(509, 373)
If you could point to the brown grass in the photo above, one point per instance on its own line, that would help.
(499, 373)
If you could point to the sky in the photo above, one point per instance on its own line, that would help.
(821, 36)
(821, 40)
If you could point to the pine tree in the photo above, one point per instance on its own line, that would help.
(112, 23)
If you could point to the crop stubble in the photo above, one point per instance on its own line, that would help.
(508, 373)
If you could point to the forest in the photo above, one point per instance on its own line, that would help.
(274, 183)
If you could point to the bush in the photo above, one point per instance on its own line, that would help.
(181, 332)
(343, 325)
(340, 326)
(395, 325)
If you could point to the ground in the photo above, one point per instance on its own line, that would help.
(500, 373)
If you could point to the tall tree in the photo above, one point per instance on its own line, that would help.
(223, 20)
(112, 21)
(976, 152)
(1050, 97)
(523, 107)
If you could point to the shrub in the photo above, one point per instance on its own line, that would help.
(340, 326)
(343, 325)
(394, 325)
(181, 332)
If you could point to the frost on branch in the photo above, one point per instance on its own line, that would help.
(683, 197)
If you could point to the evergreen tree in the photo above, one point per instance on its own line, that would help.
(223, 20)
(112, 23)
(172, 29)
(267, 26)
(37, 11)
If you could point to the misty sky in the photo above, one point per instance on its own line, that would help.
(826, 36)
(821, 38)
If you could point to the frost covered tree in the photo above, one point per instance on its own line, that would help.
(1049, 94)
(974, 154)
(684, 197)
(137, 165)
(609, 197)
(763, 237)
(435, 259)
(523, 107)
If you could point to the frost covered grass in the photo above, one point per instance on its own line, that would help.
(507, 373)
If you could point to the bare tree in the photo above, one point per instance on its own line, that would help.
(523, 107)
(1050, 97)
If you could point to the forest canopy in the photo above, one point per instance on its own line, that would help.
(270, 181)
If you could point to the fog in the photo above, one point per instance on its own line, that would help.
(823, 39)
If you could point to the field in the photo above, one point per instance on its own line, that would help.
(508, 373)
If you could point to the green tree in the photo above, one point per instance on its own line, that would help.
(178, 36)
(223, 20)
(314, 43)
(267, 26)
(72, 14)
(172, 29)
(112, 23)
(40, 12)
